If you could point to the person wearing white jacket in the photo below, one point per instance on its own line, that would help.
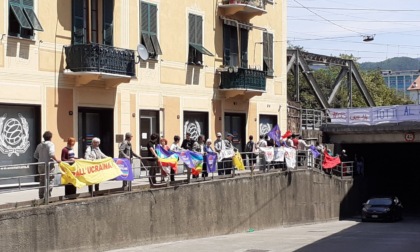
(45, 153)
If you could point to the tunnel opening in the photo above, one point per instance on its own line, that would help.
(389, 169)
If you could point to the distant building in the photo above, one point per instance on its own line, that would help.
(400, 81)
(414, 91)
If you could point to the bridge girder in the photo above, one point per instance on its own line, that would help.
(298, 62)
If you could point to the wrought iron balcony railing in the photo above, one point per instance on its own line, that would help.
(100, 58)
(243, 79)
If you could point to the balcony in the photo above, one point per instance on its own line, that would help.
(92, 62)
(243, 81)
(246, 9)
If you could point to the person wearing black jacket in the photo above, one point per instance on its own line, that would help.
(187, 144)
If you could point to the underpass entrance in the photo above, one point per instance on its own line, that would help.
(389, 168)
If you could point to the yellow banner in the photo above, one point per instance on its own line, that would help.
(86, 172)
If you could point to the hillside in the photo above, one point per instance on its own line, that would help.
(394, 64)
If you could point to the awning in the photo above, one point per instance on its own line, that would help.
(201, 49)
(232, 22)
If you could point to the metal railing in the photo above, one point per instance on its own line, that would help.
(243, 79)
(312, 119)
(145, 174)
(100, 58)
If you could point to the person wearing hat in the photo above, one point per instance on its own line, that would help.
(126, 151)
(218, 145)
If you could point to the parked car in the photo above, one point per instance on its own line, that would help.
(387, 208)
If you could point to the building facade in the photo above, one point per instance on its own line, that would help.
(100, 68)
(400, 81)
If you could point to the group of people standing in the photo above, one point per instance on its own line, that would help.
(200, 146)
(45, 154)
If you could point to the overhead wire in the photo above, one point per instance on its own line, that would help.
(340, 39)
(327, 19)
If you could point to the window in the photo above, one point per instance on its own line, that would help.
(149, 29)
(235, 45)
(22, 19)
(195, 40)
(268, 53)
(86, 25)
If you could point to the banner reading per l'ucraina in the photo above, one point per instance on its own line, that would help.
(87, 172)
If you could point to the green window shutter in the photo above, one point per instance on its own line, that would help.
(153, 19)
(148, 44)
(199, 30)
(30, 14)
(108, 20)
(20, 16)
(195, 27)
(156, 44)
(79, 35)
(268, 53)
(149, 28)
(191, 28)
(144, 17)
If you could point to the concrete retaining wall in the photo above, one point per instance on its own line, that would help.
(189, 211)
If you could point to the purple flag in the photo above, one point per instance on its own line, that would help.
(125, 166)
(211, 161)
(314, 151)
(275, 134)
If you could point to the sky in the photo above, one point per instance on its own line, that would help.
(334, 27)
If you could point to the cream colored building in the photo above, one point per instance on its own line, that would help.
(72, 67)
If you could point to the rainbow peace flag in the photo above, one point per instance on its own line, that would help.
(167, 158)
(193, 160)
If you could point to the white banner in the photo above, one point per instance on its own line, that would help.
(338, 116)
(279, 154)
(290, 156)
(375, 115)
(359, 116)
(386, 114)
(268, 153)
(273, 153)
(226, 153)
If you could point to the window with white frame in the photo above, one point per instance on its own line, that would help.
(149, 29)
(195, 40)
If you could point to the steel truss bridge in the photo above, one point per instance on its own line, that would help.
(299, 62)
